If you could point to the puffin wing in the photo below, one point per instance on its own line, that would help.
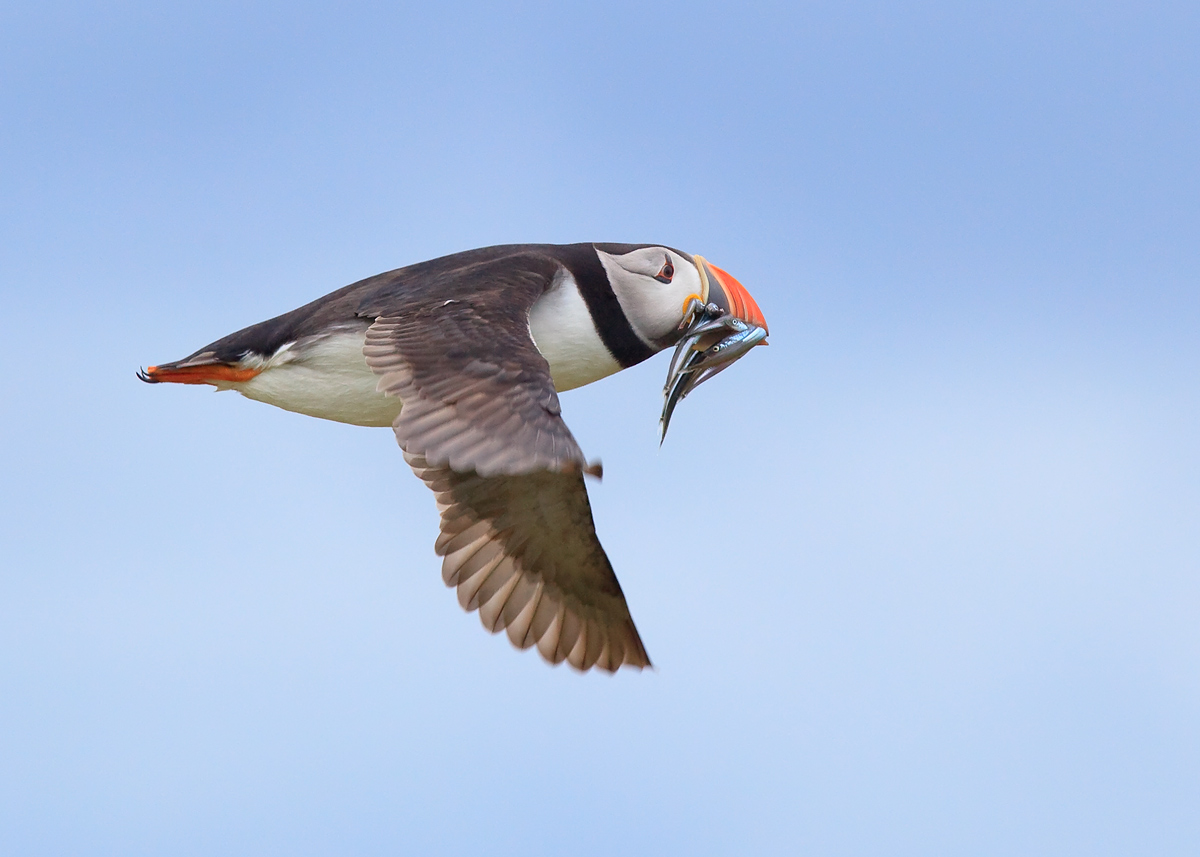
(482, 427)
(455, 348)
(522, 550)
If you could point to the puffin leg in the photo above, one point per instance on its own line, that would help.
(209, 373)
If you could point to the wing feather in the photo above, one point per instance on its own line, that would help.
(518, 626)
(523, 551)
(477, 393)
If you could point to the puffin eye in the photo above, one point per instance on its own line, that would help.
(665, 273)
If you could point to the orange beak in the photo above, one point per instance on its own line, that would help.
(730, 295)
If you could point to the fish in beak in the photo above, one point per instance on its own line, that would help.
(714, 334)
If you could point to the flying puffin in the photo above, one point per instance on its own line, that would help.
(476, 347)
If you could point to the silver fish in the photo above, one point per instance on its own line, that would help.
(712, 341)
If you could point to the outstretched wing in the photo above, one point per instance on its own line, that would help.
(522, 550)
(482, 427)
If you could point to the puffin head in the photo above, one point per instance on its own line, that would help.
(657, 287)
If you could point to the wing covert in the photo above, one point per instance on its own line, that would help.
(477, 393)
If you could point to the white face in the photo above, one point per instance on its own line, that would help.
(653, 285)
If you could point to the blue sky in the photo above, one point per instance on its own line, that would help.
(922, 577)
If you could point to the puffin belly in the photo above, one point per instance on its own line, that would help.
(326, 378)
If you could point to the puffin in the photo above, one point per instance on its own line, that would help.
(463, 357)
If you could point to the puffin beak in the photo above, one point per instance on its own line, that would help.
(719, 328)
(730, 295)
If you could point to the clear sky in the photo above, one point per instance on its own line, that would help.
(923, 577)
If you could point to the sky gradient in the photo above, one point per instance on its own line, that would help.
(923, 577)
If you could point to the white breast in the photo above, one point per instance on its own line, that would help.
(562, 329)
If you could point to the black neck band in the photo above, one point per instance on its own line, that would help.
(608, 317)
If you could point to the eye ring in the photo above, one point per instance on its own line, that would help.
(666, 272)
